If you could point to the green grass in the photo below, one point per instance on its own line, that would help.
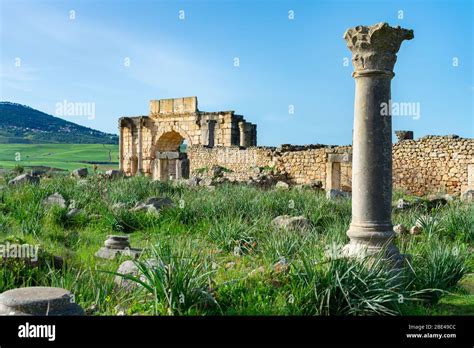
(62, 156)
(216, 252)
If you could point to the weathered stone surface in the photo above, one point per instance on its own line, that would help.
(292, 222)
(110, 254)
(468, 196)
(217, 171)
(375, 47)
(80, 172)
(281, 185)
(206, 182)
(345, 157)
(116, 246)
(55, 199)
(334, 194)
(415, 230)
(38, 301)
(130, 267)
(154, 204)
(193, 181)
(73, 213)
(117, 242)
(113, 174)
(400, 229)
(24, 179)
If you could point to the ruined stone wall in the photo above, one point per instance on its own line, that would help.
(172, 121)
(238, 160)
(432, 164)
(301, 165)
(423, 166)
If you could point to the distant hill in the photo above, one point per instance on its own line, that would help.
(20, 124)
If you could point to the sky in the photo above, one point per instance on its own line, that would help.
(282, 64)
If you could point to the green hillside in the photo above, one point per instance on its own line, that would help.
(61, 156)
(20, 124)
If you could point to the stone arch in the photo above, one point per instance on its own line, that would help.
(169, 161)
(169, 141)
(169, 132)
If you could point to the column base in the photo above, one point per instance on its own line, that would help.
(365, 241)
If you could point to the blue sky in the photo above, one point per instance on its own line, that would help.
(283, 62)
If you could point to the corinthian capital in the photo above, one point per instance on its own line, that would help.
(375, 47)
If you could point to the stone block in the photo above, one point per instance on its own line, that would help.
(332, 157)
(166, 106)
(39, 301)
(154, 106)
(190, 104)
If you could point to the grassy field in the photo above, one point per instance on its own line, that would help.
(62, 156)
(217, 250)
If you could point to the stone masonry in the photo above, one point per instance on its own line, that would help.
(427, 165)
(151, 145)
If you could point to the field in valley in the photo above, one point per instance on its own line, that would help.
(60, 156)
(216, 252)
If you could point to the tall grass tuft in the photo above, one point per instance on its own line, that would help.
(348, 287)
(177, 283)
(438, 267)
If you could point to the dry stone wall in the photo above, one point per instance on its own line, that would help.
(432, 164)
(427, 165)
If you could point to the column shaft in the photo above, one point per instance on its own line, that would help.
(139, 149)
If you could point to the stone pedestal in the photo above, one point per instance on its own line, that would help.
(116, 246)
(39, 301)
(374, 51)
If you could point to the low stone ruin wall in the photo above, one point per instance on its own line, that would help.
(433, 163)
(426, 165)
(299, 164)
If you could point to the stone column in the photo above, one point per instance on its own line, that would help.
(374, 51)
(333, 176)
(253, 141)
(211, 126)
(156, 169)
(204, 133)
(242, 140)
(164, 169)
(120, 129)
(139, 149)
(178, 169)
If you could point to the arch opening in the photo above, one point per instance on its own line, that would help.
(171, 161)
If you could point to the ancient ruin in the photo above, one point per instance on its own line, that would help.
(153, 145)
(420, 166)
